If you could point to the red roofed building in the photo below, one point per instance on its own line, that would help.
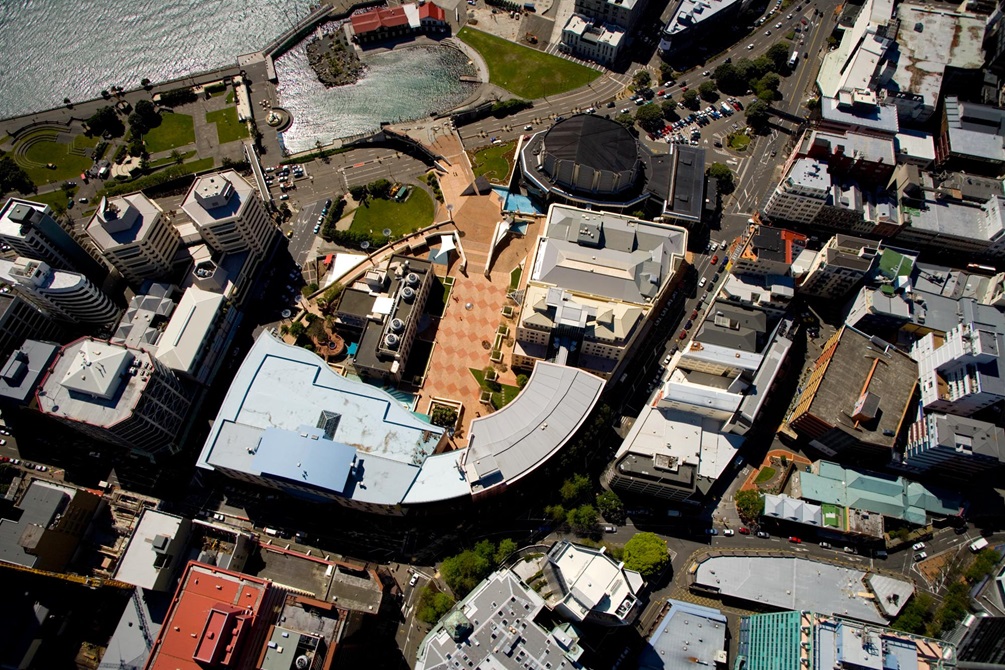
(388, 22)
(217, 619)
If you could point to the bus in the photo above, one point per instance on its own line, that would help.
(793, 59)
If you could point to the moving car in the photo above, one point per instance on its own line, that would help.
(825, 545)
(850, 550)
(414, 580)
(702, 282)
(795, 540)
(715, 259)
(610, 529)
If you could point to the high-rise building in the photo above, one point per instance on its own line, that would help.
(961, 373)
(769, 252)
(133, 235)
(802, 193)
(19, 320)
(228, 213)
(30, 230)
(65, 295)
(954, 446)
(115, 394)
(835, 269)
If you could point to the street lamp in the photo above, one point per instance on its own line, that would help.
(450, 212)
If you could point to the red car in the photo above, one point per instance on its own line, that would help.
(715, 259)
(694, 314)
(744, 530)
(795, 540)
(683, 334)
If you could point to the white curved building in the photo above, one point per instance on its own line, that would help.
(291, 423)
(67, 296)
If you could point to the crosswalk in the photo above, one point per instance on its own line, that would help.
(555, 50)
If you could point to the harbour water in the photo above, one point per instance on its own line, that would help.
(404, 84)
(52, 49)
(77, 50)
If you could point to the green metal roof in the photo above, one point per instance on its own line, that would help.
(770, 641)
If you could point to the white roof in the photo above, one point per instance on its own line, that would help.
(96, 369)
(183, 338)
(137, 565)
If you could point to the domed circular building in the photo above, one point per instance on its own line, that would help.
(589, 160)
(590, 154)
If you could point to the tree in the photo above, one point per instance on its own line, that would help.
(137, 124)
(445, 417)
(297, 329)
(379, 188)
(432, 605)
(575, 489)
(729, 79)
(505, 548)
(666, 72)
(779, 54)
(13, 177)
(610, 506)
(105, 120)
(625, 119)
(669, 109)
(758, 115)
(583, 519)
(68, 103)
(708, 91)
(916, 614)
(521, 380)
(650, 117)
(641, 80)
(358, 193)
(647, 554)
(463, 571)
(690, 99)
(145, 83)
(721, 173)
(555, 513)
(749, 504)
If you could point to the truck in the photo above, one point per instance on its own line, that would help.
(978, 544)
(793, 59)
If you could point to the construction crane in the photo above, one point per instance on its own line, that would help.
(89, 582)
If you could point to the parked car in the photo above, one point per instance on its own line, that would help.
(414, 580)
(825, 545)
(610, 529)
(850, 550)
(795, 540)
(744, 530)
(761, 534)
(728, 532)
(918, 546)
(920, 556)
(711, 531)
(683, 334)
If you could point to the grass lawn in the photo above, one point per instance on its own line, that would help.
(525, 72)
(167, 160)
(175, 130)
(53, 198)
(68, 165)
(738, 141)
(493, 162)
(401, 217)
(499, 398)
(766, 473)
(514, 278)
(228, 128)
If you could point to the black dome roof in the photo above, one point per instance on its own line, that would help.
(594, 141)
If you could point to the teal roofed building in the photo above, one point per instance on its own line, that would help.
(893, 497)
(807, 640)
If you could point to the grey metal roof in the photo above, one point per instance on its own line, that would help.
(39, 506)
(687, 183)
(608, 255)
(20, 374)
(507, 444)
(495, 627)
(687, 636)
(793, 584)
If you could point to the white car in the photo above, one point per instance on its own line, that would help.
(918, 546)
(728, 532)
(414, 580)
(920, 556)
(702, 282)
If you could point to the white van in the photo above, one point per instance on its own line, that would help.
(272, 532)
(978, 544)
